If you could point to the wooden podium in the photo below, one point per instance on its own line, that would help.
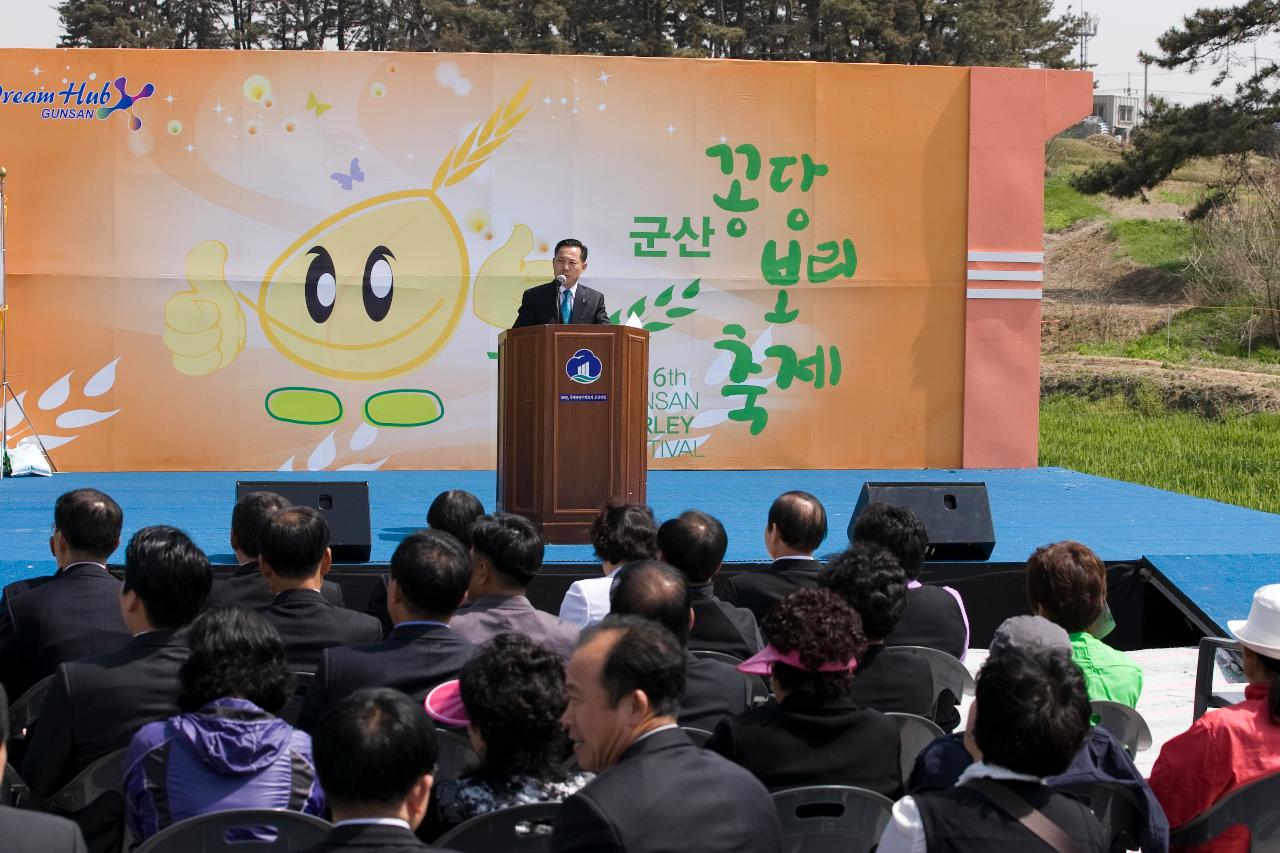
(571, 423)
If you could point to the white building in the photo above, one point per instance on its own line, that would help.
(1119, 111)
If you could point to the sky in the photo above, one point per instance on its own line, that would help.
(1124, 28)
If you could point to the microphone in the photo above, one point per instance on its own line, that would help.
(560, 282)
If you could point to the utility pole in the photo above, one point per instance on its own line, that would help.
(1146, 66)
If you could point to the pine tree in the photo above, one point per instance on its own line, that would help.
(991, 32)
(1242, 122)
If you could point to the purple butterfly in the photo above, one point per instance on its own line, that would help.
(356, 176)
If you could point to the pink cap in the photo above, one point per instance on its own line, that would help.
(444, 705)
(761, 663)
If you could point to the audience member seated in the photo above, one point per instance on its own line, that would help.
(935, 615)
(295, 558)
(655, 791)
(227, 750)
(695, 543)
(1100, 759)
(510, 698)
(620, 533)
(796, 527)
(713, 689)
(814, 733)
(246, 587)
(451, 512)
(75, 612)
(869, 580)
(1030, 716)
(506, 554)
(1231, 746)
(1067, 584)
(375, 753)
(97, 704)
(27, 831)
(429, 575)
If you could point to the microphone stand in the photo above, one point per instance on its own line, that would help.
(6, 390)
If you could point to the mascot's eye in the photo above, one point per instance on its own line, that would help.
(379, 283)
(322, 285)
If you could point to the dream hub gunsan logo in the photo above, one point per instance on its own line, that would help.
(583, 367)
(81, 100)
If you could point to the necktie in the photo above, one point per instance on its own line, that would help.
(566, 305)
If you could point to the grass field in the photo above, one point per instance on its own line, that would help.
(1162, 243)
(1186, 198)
(1236, 460)
(1209, 336)
(1076, 155)
(1064, 205)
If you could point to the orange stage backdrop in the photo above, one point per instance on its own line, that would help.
(302, 261)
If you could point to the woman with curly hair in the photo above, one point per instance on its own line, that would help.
(227, 750)
(510, 697)
(812, 733)
(620, 533)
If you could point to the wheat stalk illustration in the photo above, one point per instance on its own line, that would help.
(485, 138)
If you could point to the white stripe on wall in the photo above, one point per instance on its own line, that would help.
(1001, 293)
(1006, 275)
(1008, 257)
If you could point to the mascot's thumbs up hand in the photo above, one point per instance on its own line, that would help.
(204, 325)
(505, 276)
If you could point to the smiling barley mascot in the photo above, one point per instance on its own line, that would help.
(370, 293)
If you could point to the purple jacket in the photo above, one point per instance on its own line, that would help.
(230, 754)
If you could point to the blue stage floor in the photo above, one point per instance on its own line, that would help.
(1217, 554)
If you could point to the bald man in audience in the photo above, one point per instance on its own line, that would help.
(796, 527)
(714, 689)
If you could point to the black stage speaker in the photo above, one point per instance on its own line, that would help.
(345, 505)
(957, 515)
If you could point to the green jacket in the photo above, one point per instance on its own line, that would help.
(1108, 674)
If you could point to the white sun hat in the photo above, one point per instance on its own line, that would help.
(1261, 631)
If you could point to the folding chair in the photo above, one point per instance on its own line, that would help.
(1255, 806)
(301, 682)
(520, 829)
(211, 833)
(456, 755)
(698, 736)
(1212, 650)
(831, 818)
(915, 733)
(1116, 808)
(948, 673)
(1124, 723)
(760, 691)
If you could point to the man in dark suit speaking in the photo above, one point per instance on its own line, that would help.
(563, 300)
